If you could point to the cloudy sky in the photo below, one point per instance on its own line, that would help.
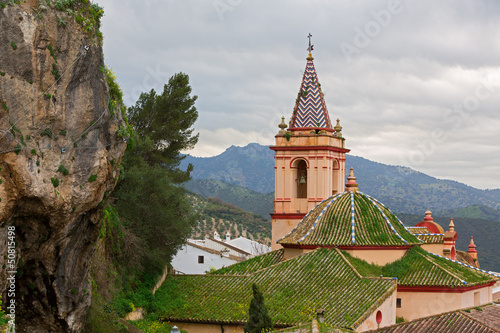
(414, 83)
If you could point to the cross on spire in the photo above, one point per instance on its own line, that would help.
(311, 47)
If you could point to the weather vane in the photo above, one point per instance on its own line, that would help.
(311, 47)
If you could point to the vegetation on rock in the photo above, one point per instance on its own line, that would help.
(149, 216)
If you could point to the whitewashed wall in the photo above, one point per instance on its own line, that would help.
(186, 260)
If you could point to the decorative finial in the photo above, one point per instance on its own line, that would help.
(283, 126)
(452, 225)
(428, 216)
(338, 129)
(351, 185)
(310, 48)
(472, 249)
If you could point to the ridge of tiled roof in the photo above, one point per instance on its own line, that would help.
(465, 258)
(418, 230)
(419, 268)
(431, 238)
(293, 290)
(310, 107)
(252, 265)
(471, 267)
(468, 320)
(425, 235)
(350, 219)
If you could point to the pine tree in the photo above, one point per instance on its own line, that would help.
(258, 318)
(167, 119)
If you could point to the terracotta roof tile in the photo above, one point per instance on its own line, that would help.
(421, 268)
(487, 320)
(293, 290)
(350, 219)
(252, 265)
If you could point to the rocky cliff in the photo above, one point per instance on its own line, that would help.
(60, 149)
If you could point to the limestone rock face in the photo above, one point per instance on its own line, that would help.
(59, 156)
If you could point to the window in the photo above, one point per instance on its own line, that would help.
(477, 300)
(398, 302)
(201, 259)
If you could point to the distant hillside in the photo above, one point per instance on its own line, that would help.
(486, 235)
(244, 198)
(409, 191)
(217, 215)
(475, 211)
(401, 188)
(251, 167)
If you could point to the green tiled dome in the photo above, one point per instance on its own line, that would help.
(350, 219)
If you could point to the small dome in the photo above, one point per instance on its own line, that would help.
(350, 219)
(429, 223)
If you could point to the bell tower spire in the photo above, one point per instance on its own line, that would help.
(310, 110)
(309, 156)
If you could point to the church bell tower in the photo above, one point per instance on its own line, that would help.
(309, 157)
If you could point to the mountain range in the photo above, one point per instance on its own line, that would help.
(244, 177)
(401, 188)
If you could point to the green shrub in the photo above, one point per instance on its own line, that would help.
(3, 318)
(55, 72)
(46, 132)
(63, 170)
(17, 149)
(92, 178)
(54, 181)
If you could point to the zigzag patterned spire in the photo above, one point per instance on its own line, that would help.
(310, 108)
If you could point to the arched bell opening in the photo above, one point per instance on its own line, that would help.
(301, 179)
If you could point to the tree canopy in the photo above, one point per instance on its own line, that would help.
(167, 119)
(150, 206)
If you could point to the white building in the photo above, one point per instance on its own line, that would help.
(251, 246)
(195, 259)
(201, 255)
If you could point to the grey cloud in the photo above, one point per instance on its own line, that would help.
(247, 67)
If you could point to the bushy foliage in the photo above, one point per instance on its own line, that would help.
(149, 217)
(85, 13)
(3, 317)
(153, 208)
(99, 317)
(258, 318)
(151, 324)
